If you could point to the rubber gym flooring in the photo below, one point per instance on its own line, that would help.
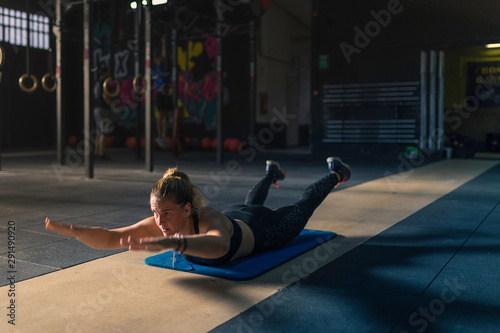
(417, 249)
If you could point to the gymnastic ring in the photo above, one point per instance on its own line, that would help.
(23, 87)
(2, 57)
(106, 90)
(45, 85)
(136, 81)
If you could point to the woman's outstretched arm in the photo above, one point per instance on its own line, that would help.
(102, 238)
(209, 246)
(213, 241)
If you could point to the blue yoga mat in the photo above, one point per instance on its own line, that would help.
(248, 267)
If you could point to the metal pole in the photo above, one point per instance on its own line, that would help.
(174, 69)
(179, 112)
(1, 123)
(423, 98)
(147, 78)
(87, 37)
(138, 110)
(440, 103)
(252, 78)
(177, 140)
(432, 102)
(0, 132)
(137, 65)
(59, 115)
(219, 93)
(112, 37)
(28, 38)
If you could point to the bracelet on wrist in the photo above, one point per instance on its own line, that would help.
(184, 245)
(178, 243)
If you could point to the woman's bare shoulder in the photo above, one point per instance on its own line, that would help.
(212, 218)
(207, 211)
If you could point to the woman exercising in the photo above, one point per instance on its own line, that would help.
(182, 222)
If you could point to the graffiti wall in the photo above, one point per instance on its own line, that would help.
(197, 81)
(196, 68)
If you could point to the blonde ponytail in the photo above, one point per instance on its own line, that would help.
(177, 186)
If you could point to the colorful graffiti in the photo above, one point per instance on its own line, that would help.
(196, 81)
(194, 50)
(199, 95)
(125, 105)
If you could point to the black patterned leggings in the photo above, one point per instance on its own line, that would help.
(275, 228)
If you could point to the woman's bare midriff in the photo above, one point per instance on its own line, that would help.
(247, 241)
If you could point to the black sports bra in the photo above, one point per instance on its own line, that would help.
(235, 245)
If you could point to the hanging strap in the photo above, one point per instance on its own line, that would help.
(28, 46)
(112, 43)
(50, 75)
(28, 36)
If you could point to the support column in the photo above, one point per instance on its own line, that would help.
(174, 70)
(87, 99)
(423, 99)
(440, 102)
(140, 65)
(219, 92)
(431, 138)
(252, 93)
(148, 98)
(2, 60)
(59, 114)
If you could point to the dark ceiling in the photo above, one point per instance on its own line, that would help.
(424, 22)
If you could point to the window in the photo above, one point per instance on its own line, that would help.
(14, 28)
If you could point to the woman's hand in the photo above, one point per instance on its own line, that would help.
(66, 230)
(149, 243)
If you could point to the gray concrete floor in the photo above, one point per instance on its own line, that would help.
(384, 279)
(34, 186)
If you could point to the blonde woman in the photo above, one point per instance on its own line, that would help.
(182, 222)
